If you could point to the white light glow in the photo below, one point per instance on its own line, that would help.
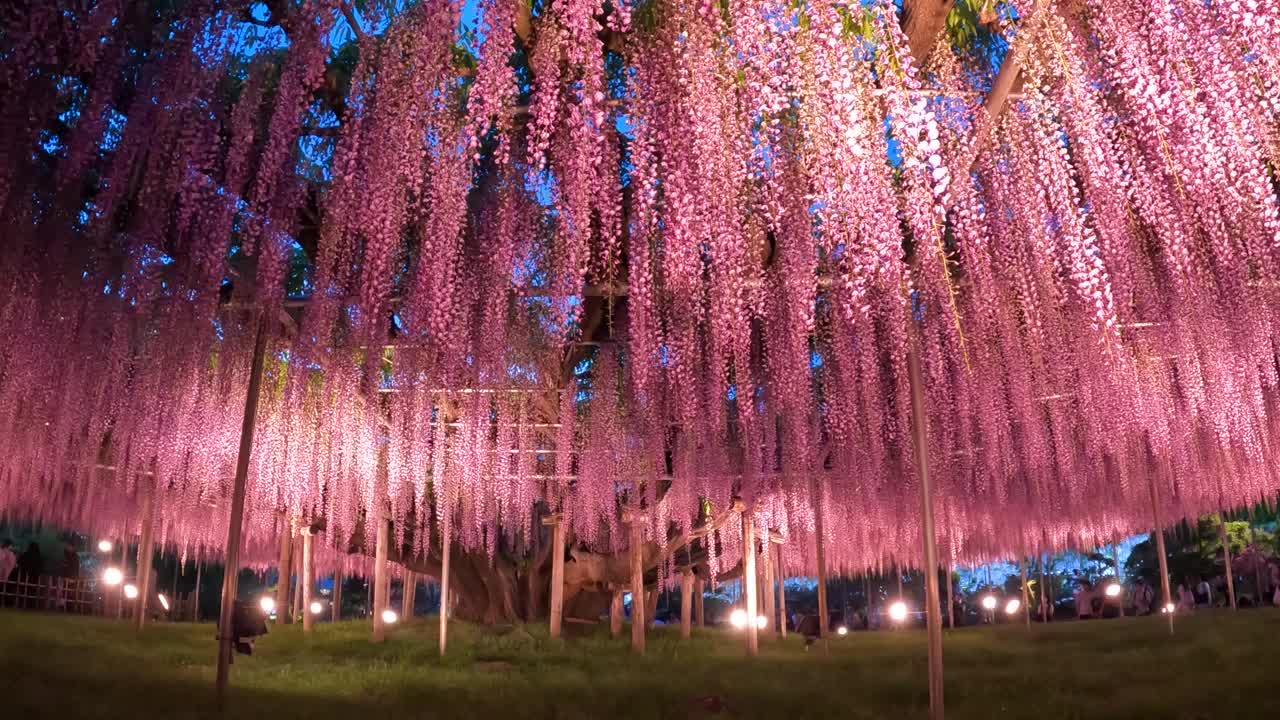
(989, 602)
(842, 630)
(1170, 608)
(105, 546)
(316, 607)
(268, 604)
(112, 576)
(898, 611)
(164, 602)
(738, 618)
(1114, 590)
(389, 616)
(131, 591)
(761, 622)
(1012, 606)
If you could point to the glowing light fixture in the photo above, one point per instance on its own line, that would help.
(1012, 606)
(898, 611)
(738, 618)
(105, 546)
(389, 616)
(989, 602)
(1170, 608)
(761, 622)
(164, 602)
(842, 630)
(267, 604)
(112, 576)
(131, 591)
(316, 607)
(1114, 590)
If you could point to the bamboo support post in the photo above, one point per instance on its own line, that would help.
(951, 604)
(749, 581)
(231, 576)
(557, 573)
(296, 606)
(409, 594)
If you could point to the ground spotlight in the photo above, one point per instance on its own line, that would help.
(898, 611)
(316, 607)
(105, 546)
(761, 622)
(389, 616)
(738, 618)
(1169, 608)
(989, 602)
(112, 576)
(267, 604)
(1012, 606)
(1114, 590)
(842, 630)
(131, 591)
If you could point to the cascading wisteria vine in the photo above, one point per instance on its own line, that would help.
(655, 255)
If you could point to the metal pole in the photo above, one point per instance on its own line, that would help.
(230, 577)
(934, 614)
(951, 604)
(335, 612)
(637, 585)
(381, 583)
(445, 553)
(782, 594)
(770, 590)
(1026, 595)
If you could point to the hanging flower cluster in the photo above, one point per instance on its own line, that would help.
(651, 254)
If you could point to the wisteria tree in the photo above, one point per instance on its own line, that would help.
(587, 258)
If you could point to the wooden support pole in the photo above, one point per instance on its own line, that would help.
(699, 605)
(749, 581)
(770, 591)
(335, 611)
(285, 569)
(445, 555)
(1044, 592)
(1026, 594)
(615, 614)
(933, 611)
(819, 537)
(637, 583)
(308, 582)
(146, 549)
(686, 604)
(557, 573)
(408, 593)
(231, 574)
(1115, 558)
(1167, 604)
(951, 604)
(381, 582)
(195, 595)
(782, 594)
(1226, 559)
(296, 606)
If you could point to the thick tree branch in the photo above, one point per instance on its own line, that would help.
(923, 21)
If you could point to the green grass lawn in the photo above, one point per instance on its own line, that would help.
(1219, 665)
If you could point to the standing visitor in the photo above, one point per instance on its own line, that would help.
(1186, 599)
(1204, 594)
(1083, 597)
(30, 568)
(1142, 597)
